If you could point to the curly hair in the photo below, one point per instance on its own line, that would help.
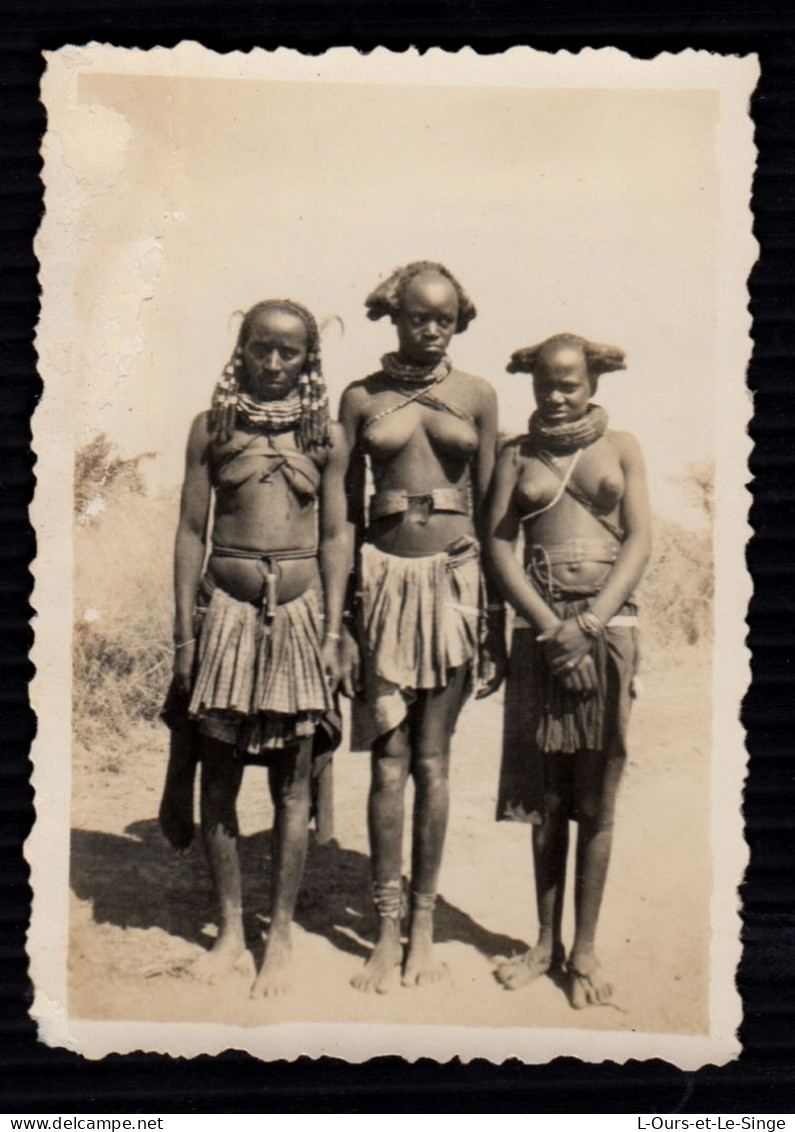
(599, 358)
(314, 424)
(387, 298)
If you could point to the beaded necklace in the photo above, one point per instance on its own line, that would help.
(273, 415)
(561, 439)
(397, 370)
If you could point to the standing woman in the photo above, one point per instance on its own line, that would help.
(258, 619)
(429, 432)
(579, 491)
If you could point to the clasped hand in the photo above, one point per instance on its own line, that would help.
(568, 653)
(184, 657)
(492, 662)
(350, 664)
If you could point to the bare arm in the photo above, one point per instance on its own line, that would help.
(502, 532)
(492, 658)
(485, 457)
(355, 483)
(636, 521)
(336, 533)
(355, 474)
(190, 542)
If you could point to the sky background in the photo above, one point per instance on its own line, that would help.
(592, 211)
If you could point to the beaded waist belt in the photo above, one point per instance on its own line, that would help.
(269, 560)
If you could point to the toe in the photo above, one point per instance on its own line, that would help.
(578, 998)
(605, 992)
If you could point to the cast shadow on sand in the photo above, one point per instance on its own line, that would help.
(137, 881)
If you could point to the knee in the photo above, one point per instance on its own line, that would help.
(218, 788)
(389, 768)
(430, 766)
(594, 819)
(388, 782)
(293, 794)
(554, 825)
(218, 813)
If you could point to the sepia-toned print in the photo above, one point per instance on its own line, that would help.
(390, 585)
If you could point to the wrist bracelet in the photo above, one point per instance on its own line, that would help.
(333, 636)
(184, 644)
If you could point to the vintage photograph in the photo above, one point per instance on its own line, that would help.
(390, 587)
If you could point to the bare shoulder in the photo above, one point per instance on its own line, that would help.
(625, 444)
(475, 393)
(470, 383)
(513, 453)
(200, 434)
(356, 395)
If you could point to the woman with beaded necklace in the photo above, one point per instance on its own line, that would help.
(579, 491)
(258, 616)
(429, 433)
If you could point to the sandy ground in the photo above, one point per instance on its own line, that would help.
(139, 909)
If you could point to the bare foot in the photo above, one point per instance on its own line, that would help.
(380, 972)
(276, 974)
(421, 969)
(588, 984)
(523, 969)
(220, 960)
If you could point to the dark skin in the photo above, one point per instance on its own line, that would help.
(611, 473)
(418, 449)
(264, 516)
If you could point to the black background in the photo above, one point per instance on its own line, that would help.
(36, 1079)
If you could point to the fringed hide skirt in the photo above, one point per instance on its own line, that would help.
(541, 717)
(419, 620)
(260, 688)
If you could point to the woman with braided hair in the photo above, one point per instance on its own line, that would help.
(428, 431)
(258, 612)
(578, 490)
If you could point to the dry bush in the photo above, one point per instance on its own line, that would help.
(123, 616)
(102, 474)
(675, 595)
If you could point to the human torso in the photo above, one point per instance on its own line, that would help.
(581, 541)
(419, 449)
(266, 493)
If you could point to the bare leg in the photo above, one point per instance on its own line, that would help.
(597, 786)
(389, 773)
(289, 780)
(433, 720)
(221, 776)
(550, 850)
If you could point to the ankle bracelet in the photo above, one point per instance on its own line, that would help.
(388, 899)
(423, 901)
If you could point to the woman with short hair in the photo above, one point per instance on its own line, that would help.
(428, 431)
